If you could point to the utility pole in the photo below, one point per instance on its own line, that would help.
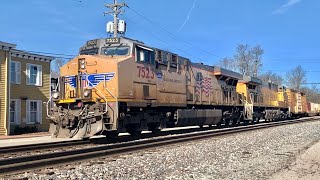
(115, 10)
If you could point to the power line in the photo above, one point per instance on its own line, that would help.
(170, 33)
(161, 40)
(293, 60)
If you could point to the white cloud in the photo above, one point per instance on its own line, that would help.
(284, 8)
(188, 15)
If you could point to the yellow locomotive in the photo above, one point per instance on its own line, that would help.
(122, 85)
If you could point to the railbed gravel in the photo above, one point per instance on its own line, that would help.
(248, 155)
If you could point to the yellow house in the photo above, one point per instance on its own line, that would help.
(24, 88)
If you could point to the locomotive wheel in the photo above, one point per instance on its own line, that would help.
(253, 121)
(219, 125)
(134, 132)
(227, 123)
(111, 134)
(235, 121)
(246, 122)
(155, 127)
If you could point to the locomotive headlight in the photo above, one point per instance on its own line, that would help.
(55, 95)
(82, 64)
(87, 93)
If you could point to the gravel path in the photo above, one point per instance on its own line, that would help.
(306, 167)
(250, 155)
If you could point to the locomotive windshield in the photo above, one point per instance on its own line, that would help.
(89, 51)
(115, 51)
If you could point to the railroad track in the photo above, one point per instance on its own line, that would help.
(12, 151)
(20, 164)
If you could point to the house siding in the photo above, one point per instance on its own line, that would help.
(3, 128)
(31, 92)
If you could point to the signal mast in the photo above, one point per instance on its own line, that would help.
(117, 26)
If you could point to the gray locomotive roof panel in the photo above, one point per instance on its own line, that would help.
(251, 80)
(202, 66)
(226, 72)
(218, 70)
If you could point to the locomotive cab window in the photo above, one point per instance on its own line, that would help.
(145, 55)
(89, 51)
(115, 51)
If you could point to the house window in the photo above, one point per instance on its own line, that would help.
(34, 74)
(15, 72)
(15, 108)
(34, 111)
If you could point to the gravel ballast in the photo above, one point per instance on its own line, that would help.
(249, 155)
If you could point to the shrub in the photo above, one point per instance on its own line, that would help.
(24, 130)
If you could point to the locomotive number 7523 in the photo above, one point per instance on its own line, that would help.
(145, 72)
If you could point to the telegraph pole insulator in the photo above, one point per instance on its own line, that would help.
(115, 11)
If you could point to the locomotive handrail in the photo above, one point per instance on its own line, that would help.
(117, 105)
(50, 99)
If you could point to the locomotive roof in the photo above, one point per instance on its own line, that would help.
(202, 66)
(226, 72)
(251, 80)
(218, 70)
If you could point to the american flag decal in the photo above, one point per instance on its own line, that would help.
(205, 86)
(71, 80)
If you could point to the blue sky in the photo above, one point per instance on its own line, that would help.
(202, 30)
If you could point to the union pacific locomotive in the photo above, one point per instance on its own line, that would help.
(122, 85)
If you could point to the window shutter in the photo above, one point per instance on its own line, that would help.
(28, 111)
(39, 77)
(28, 73)
(18, 72)
(18, 111)
(39, 106)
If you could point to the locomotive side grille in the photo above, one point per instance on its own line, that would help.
(146, 94)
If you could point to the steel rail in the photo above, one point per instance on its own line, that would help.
(40, 146)
(19, 164)
(72, 143)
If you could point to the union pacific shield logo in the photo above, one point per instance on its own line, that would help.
(71, 80)
(89, 80)
(95, 79)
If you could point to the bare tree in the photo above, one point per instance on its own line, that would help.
(256, 53)
(227, 63)
(313, 93)
(248, 60)
(296, 77)
(270, 76)
(55, 67)
(243, 59)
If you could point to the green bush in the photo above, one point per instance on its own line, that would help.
(24, 130)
